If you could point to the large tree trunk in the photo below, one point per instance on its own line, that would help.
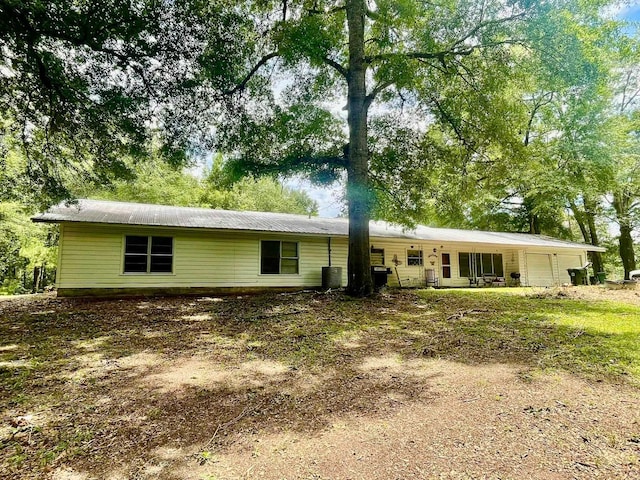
(590, 214)
(580, 219)
(358, 190)
(626, 250)
(533, 219)
(621, 203)
(587, 222)
(534, 224)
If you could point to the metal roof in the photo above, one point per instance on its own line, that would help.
(123, 213)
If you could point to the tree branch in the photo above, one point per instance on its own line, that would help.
(242, 85)
(441, 55)
(538, 104)
(332, 63)
(482, 25)
(449, 120)
(296, 163)
(331, 11)
(368, 100)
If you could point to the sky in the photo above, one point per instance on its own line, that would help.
(329, 199)
(630, 12)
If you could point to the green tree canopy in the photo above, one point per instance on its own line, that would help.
(86, 84)
(293, 65)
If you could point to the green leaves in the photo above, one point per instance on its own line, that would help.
(310, 39)
(83, 82)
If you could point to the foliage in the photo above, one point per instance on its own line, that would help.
(156, 182)
(486, 114)
(292, 63)
(151, 181)
(23, 247)
(83, 82)
(261, 195)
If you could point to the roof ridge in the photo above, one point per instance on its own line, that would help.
(201, 208)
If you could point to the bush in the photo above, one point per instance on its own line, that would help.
(12, 286)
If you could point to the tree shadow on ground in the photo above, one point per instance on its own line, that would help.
(123, 378)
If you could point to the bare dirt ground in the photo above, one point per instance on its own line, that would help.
(405, 385)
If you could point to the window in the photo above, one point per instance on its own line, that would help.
(478, 264)
(446, 265)
(464, 260)
(414, 258)
(279, 257)
(148, 254)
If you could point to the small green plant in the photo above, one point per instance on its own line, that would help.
(18, 458)
(204, 457)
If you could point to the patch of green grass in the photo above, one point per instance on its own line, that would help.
(70, 443)
(605, 334)
(540, 330)
(593, 337)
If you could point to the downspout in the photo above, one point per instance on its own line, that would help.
(329, 249)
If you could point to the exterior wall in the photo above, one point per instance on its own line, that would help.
(514, 261)
(91, 257)
(558, 274)
(512, 265)
(409, 275)
(565, 261)
(416, 276)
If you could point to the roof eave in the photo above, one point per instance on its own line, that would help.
(42, 219)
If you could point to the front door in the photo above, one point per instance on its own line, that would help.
(445, 269)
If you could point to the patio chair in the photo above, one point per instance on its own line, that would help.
(432, 279)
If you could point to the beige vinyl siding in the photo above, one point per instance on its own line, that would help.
(511, 262)
(409, 274)
(91, 256)
(522, 266)
(59, 260)
(414, 275)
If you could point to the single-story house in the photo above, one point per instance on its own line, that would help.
(116, 247)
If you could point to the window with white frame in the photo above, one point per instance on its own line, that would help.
(414, 258)
(478, 264)
(148, 254)
(278, 257)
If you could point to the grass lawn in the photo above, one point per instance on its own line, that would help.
(488, 383)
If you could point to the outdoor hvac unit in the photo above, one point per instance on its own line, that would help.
(331, 277)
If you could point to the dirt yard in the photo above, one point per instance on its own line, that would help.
(492, 384)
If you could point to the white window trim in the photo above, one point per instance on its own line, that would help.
(148, 254)
(473, 267)
(281, 257)
(421, 257)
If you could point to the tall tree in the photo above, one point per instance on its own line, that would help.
(626, 152)
(154, 181)
(320, 53)
(83, 82)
